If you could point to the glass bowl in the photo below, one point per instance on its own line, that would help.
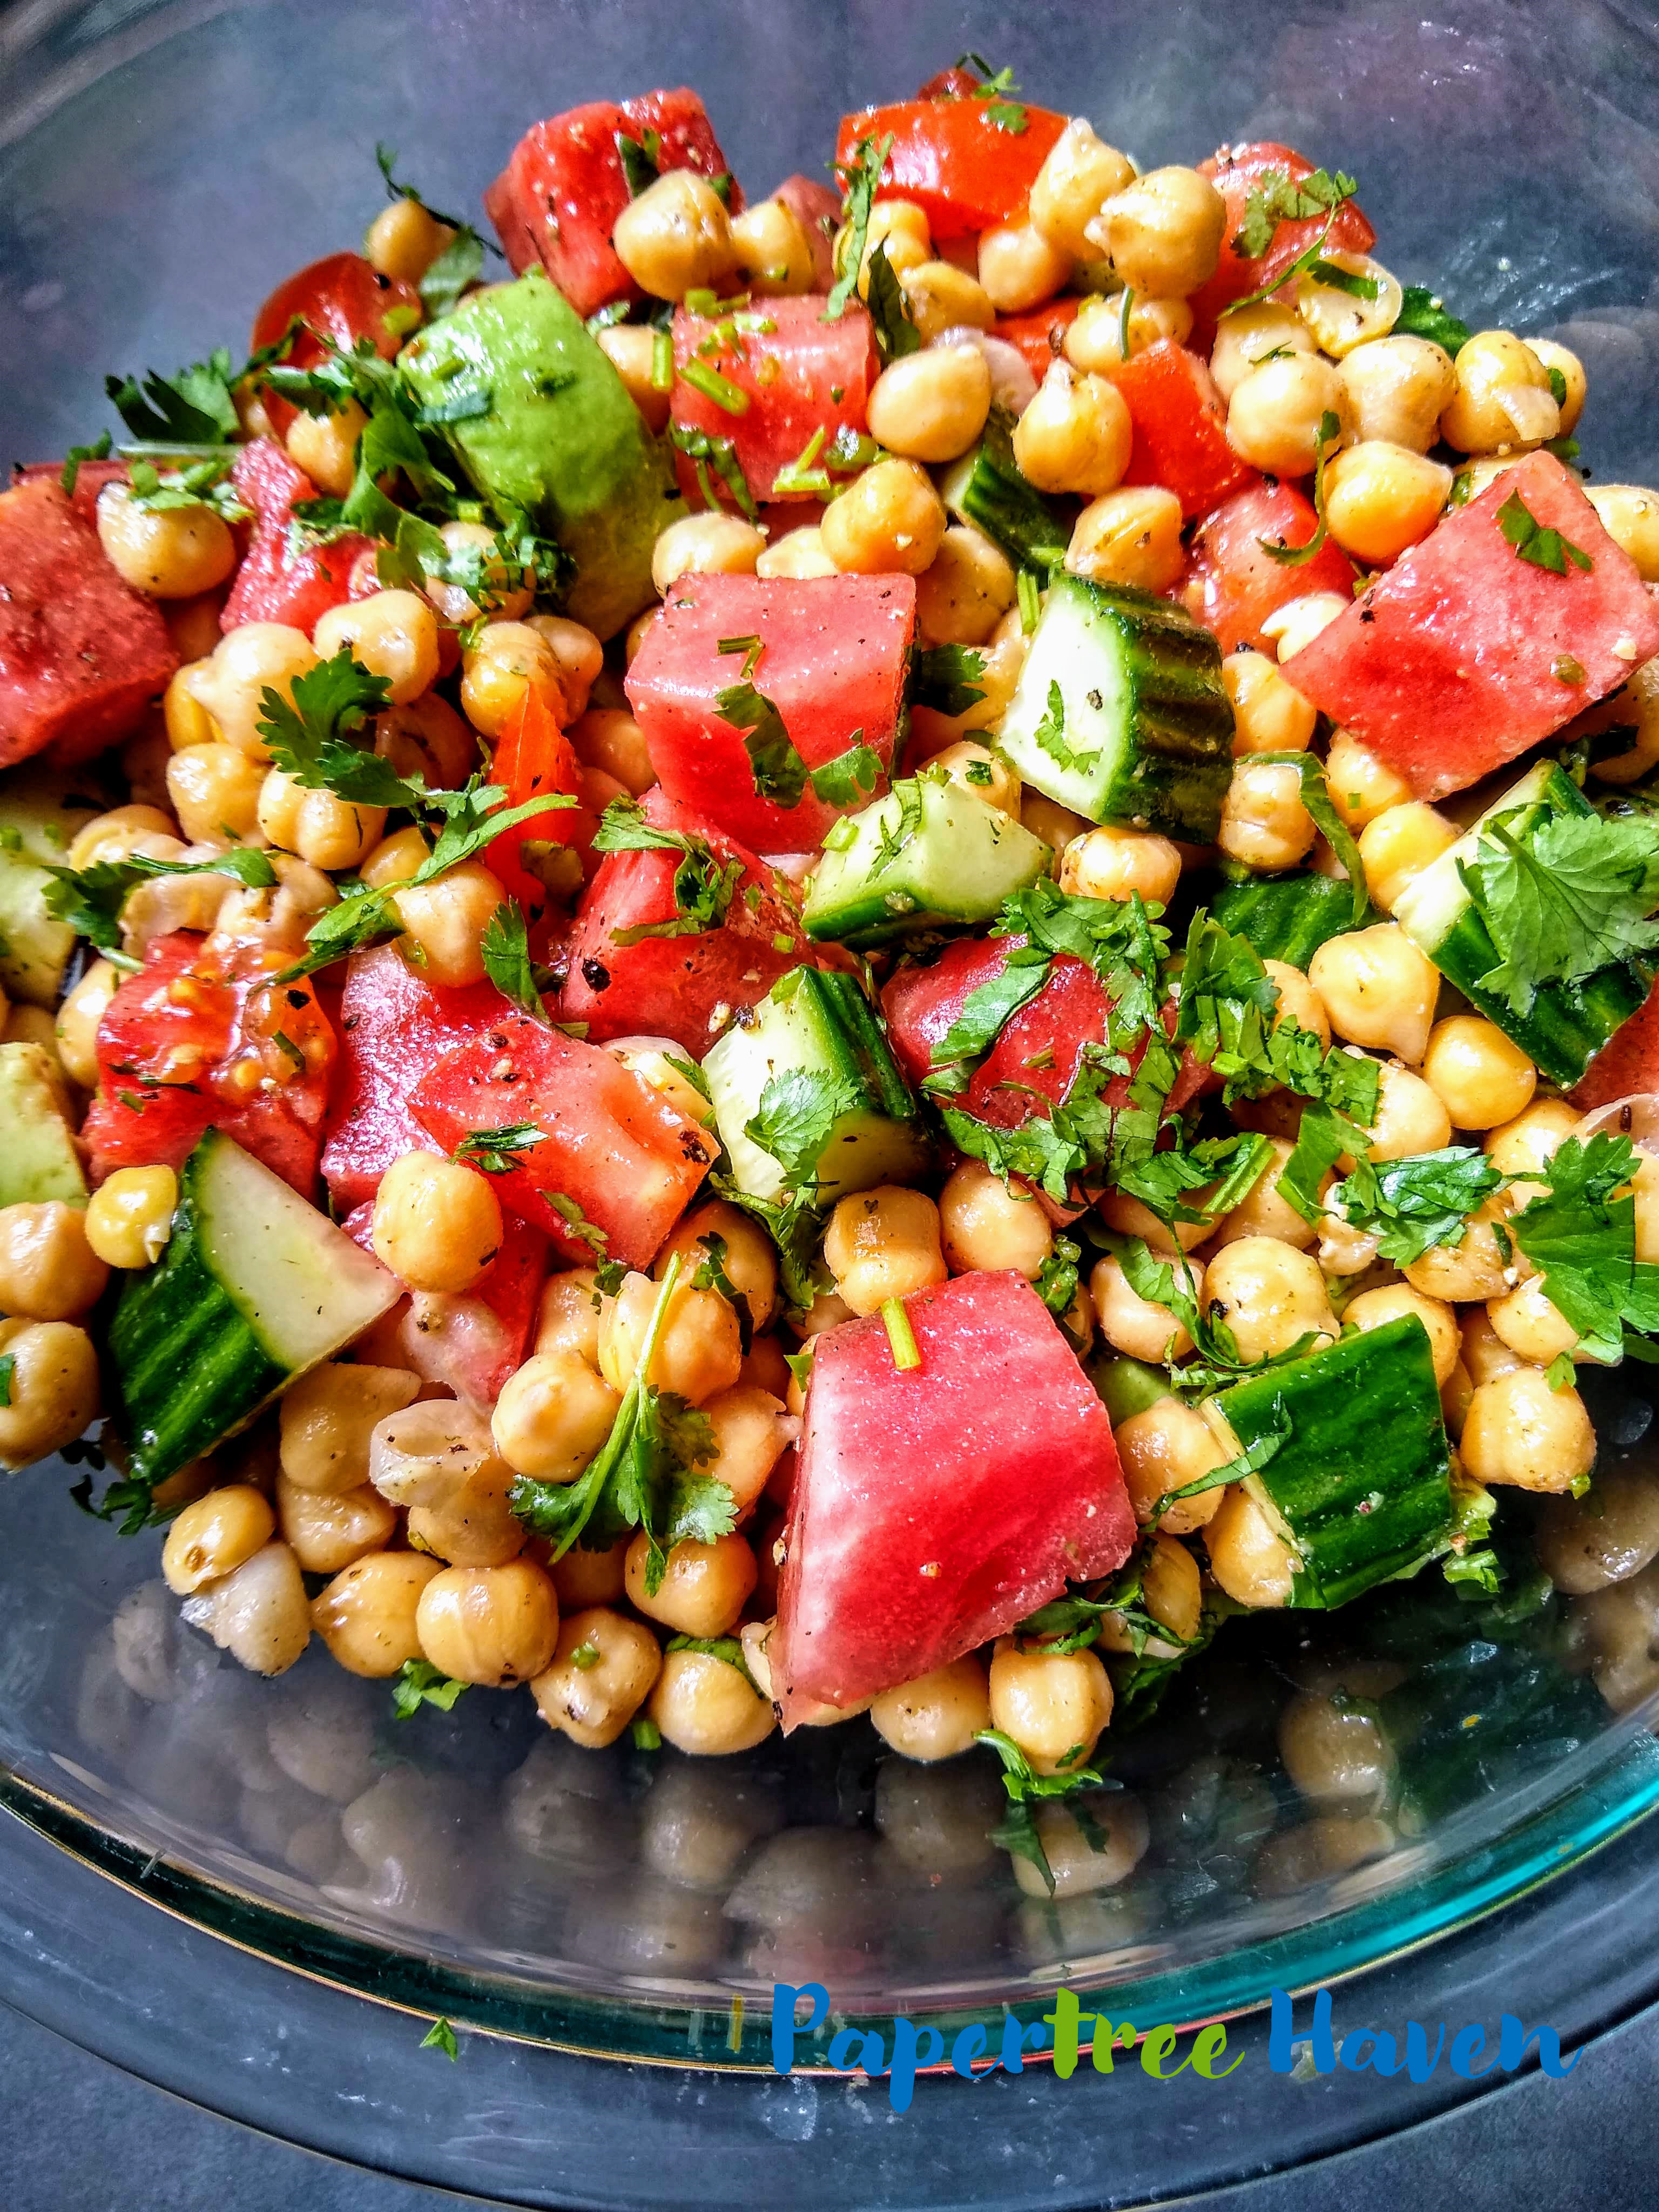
(161, 167)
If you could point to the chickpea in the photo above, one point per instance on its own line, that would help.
(1004, 656)
(943, 298)
(986, 775)
(328, 1417)
(750, 1258)
(53, 1394)
(1374, 1309)
(508, 659)
(248, 661)
(1094, 337)
(1018, 267)
(1620, 1629)
(215, 790)
(1054, 1705)
(1380, 498)
(1171, 1592)
(1340, 320)
(1503, 403)
(901, 227)
(1530, 1324)
(393, 635)
(888, 520)
(1377, 989)
(184, 717)
(468, 1521)
(1572, 371)
(1078, 1863)
(1629, 515)
(324, 1533)
(1455, 1395)
(1473, 1268)
(1396, 845)
(704, 1587)
(121, 832)
(798, 553)
(1633, 708)
(493, 1626)
(326, 831)
(1078, 176)
(705, 1706)
(1397, 389)
(396, 859)
(635, 636)
(601, 1672)
(1360, 785)
(48, 1269)
(631, 349)
(1410, 1117)
(698, 1351)
(578, 656)
(1162, 232)
(1162, 1450)
(1482, 1079)
(883, 1244)
(77, 1022)
(1249, 1560)
(193, 625)
(1589, 1544)
(553, 1415)
(366, 1615)
(1134, 1325)
(1131, 1219)
(702, 545)
(167, 552)
(1518, 1430)
(1645, 1190)
(773, 252)
(1270, 715)
(1264, 823)
(1269, 1294)
(1478, 475)
(404, 239)
(1076, 434)
(585, 1578)
(676, 236)
(1335, 1753)
(257, 1611)
(214, 1535)
(1244, 339)
(1263, 1213)
(1484, 1355)
(437, 1224)
(1298, 1002)
(129, 1217)
(751, 1431)
(1528, 1141)
(1112, 863)
(608, 739)
(1130, 536)
(986, 1224)
(1274, 413)
(1056, 825)
(931, 406)
(938, 1715)
(1299, 621)
(654, 1064)
(446, 920)
(326, 446)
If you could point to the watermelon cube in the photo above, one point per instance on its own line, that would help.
(277, 583)
(1180, 426)
(1627, 1064)
(800, 378)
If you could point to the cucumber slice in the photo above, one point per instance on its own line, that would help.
(928, 852)
(812, 1064)
(1286, 917)
(1145, 734)
(986, 489)
(1359, 1487)
(1127, 1387)
(38, 1162)
(254, 1287)
(40, 815)
(1567, 1024)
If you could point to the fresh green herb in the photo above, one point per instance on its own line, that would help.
(1057, 1278)
(896, 334)
(802, 474)
(705, 453)
(796, 1228)
(128, 1501)
(1002, 111)
(1571, 895)
(1545, 549)
(1296, 557)
(1031, 601)
(440, 2036)
(1227, 1001)
(1338, 279)
(420, 1683)
(1278, 199)
(1323, 1137)
(779, 771)
(728, 1649)
(662, 361)
(640, 159)
(901, 1337)
(1023, 1783)
(1050, 734)
(504, 949)
(1582, 1238)
(1254, 1456)
(8, 1369)
(201, 483)
(1560, 1373)
(860, 180)
(729, 396)
(578, 1227)
(946, 677)
(989, 1006)
(194, 408)
(849, 778)
(704, 886)
(797, 1111)
(1558, 383)
(711, 1275)
(585, 1657)
(1229, 1168)
(1318, 802)
(1123, 315)
(461, 262)
(70, 474)
(1217, 1360)
(498, 1152)
(91, 899)
(1423, 315)
(645, 1734)
(311, 740)
(1410, 1205)
(751, 649)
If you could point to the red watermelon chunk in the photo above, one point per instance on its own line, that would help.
(90, 477)
(1236, 171)
(685, 987)
(954, 157)
(833, 659)
(277, 583)
(1627, 1063)
(801, 378)
(1464, 655)
(1039, 337)
(338, 301)
(473, 1344)
(1180, 426)
(1233, 583)
(612, 1157)
(935, 1507)
(82, 654)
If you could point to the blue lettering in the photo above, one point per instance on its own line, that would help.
(784, 2029)
(968, 2046)
(1467, 2045)
(1016, 2041)
(1512, 2041)
(1419, 2064)
(910, 2050)
(1383, 2054)
(1324, 2050)
(1280, 2057)
(853, 2050)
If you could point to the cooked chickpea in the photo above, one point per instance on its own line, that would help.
(1588, 1544)
(1270, 715)
(1503, 403)
(214, 1535)
(326, 446)
(986, 1224)
(1249, 1560)
(631, 349)
(184, 717)
(888, 520)
(883, 1244)
(1533, 1328)
(1263, 1212)
(1341, 320)
(1519, 1431)
(1162, 1450)
(1377, 989)
(1274, 413)
(1053, 1705)
(77, 1022)
(257, 1611)
(578, 656)
(328, 1417)
(166, 552)
(1361, 785)
(1528, 1141)
(1396, 845)
(1162, 232)
(1645, 1190)
(1130, 536)
(1056, 825)
(798, 553)
(215, 790)
(1111, 863)
(1374, 1309)
(1094, 337)
(636, 632)
(1079, 175)
(326, 831)
(1075, 436)
(1570, 369)
(193, 625)
(393, 635)
(1380, 498)
(446, 920)
(1269, 1294)
(48, 1269)
(129, 1217)
(1411, 1117)
(938, 1715)
(1629, 515)
(325, 1533)
(676, 236)
(1633, 709)
(1481, 474)
(931, 405)
(1299, 621)
(1244, 339)
(653, 1062)
(121, 832)
(366, 1616)
(601, 1672)
(249, 660)
(1018, 267)
(898, 226)
(1171, 1591)
(1131, 1219)
(396, 859)
(1264, 823)
(773, 252)
(1397, 389)
(582, 1577)
(1134, 1325)
(1484, 1355)
(404, 239)
(608, 739)
(1336, 1753)
(704, 1587)
(706, 1707)
(1004, 656)
(53, 1393)
(493, 1626)
(942, 297)
(437, 1224)
(987, 775)
(752, 1429)
(1298, 1002)
(704, 545)
(1480, 1076)
(553, 1415)
(751, 1257)
(1084, 1860)
(1621, 1631)
(699, 1348)
(508, 659)
(1474, 1267)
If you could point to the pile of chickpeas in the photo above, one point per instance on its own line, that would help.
(379, 1478)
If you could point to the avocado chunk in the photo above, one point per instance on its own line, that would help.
(38, 1161)
(39, 817)
(554, 432)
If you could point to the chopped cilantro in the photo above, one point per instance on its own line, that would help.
(1569, 895)
(1278, 199)
(860, 180)
(420, 1683)
(1544, 549)
(1582, 1238)
(1050, 734)
(797, 1112)
(704, 885)
(440, 2036)
(850, 777)
(1296, 557)
(896, 334)
(504, 949)
(8, 1369)
(779, 771)
(901, 1337)
(1409, 1205)
(946, 677)
(1023, 1783)
(728, 1649)
(311, 740)
(91, 899)
(705, 453)
(1423, 315)
(498, 1152)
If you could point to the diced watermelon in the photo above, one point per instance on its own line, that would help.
(1179, 426)
(963, 168)
(1040, 336)
(1627, 1063)
(393, 1027)
(82, 654)
(792, 375)
(921, 1005)
(276, 583)
(1464, 654)
(90, 477)
(935, 1507)
(342, 298)
(812, 201)
(1236, 171)
(556, 202)
(1233, 583)
(613, 1158)
(472, 1343)
(683, 987)
(834, 656)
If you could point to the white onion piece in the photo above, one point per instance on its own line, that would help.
(419, 1457)
(1636, 1117)
(794, 867)
(1534, 414)
(620, 1046)
(1012, 385)
(459, 1342)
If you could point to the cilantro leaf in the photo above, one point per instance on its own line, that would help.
(1057, 1279)
(91, 899)
(440, 2036)
(704, 886)
(1423, 315)
(779, 771)
(796, 1228)
(705, 452)
(797, 1112)
(946, 677)
(727, 1648)
(70, 475)
(1317, 800)
(1277, 198)
(497, 1152)
(850, 776)
(192, 408)
(1409, 1205)
(309, 739)
(1544, 549)
(1050, 734)
(896, 334)
(1581, 1239)
(1229, 1168)
(1018, 1832)
(989, 1006)
(420, 1683)
(1568, 896)
(860, 180)
(504, 949)
(1322, 1139)
(8, 1369)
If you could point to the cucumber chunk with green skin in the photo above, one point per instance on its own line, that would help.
(39, 1162)
(1286, 917)
(40, 815)
(1144, 731)
(1567, 1024)
(1359, 1482)
(1127, 1387)
(987, 489)
(254, 1287)
(810, 1068)
(554, 432)
(927, 853)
